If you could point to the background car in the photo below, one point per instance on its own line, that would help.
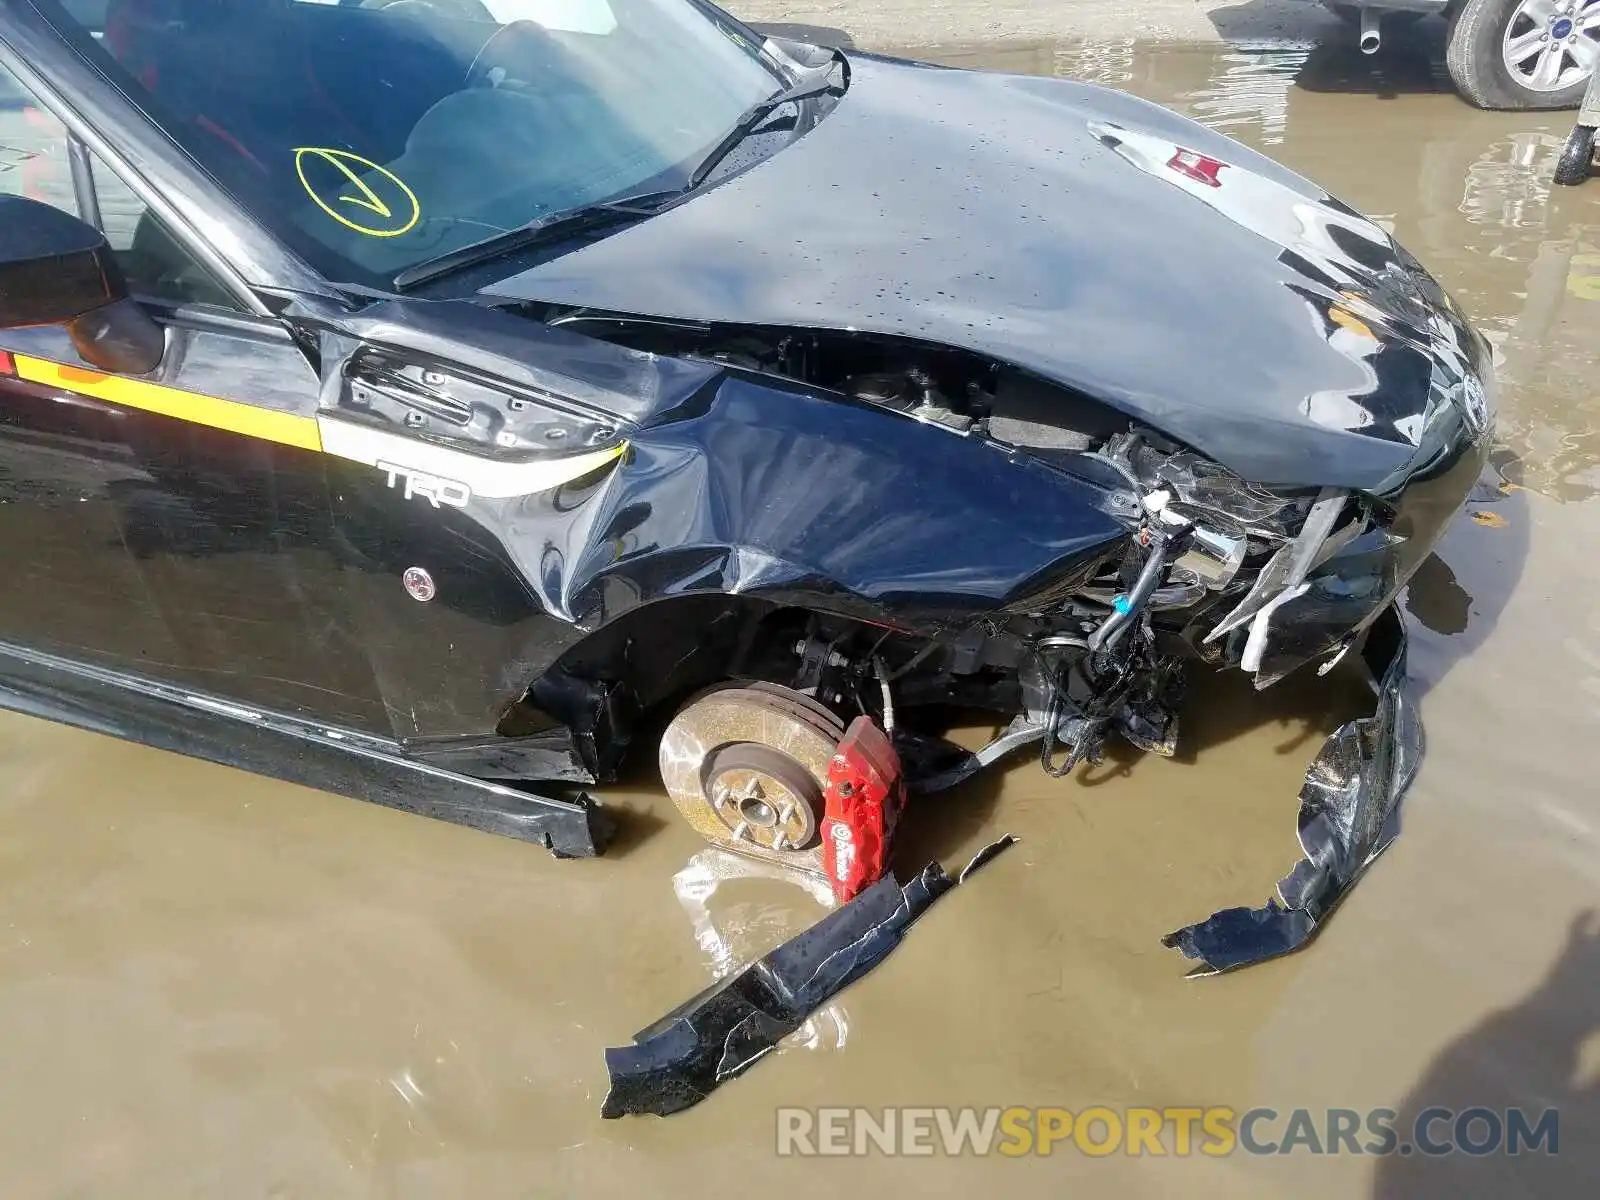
(1504, 54)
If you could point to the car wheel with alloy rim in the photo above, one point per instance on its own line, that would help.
(1524, 54)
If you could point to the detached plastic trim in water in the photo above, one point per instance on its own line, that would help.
(1349, 809)
(719, 1034)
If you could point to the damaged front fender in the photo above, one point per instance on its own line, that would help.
(1349, 813)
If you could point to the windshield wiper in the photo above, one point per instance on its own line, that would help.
(545, 229)
(753, 116)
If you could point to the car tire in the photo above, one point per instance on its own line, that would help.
(1478, 29)
(1577, 157)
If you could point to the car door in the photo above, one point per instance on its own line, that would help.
(67, 568)
(176, 526)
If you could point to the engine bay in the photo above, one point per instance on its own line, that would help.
(954, 388)
(1217, 531)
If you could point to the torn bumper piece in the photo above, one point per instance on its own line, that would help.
(1348, 816)
(719, 1034)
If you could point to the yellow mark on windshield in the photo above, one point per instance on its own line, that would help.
(376, 190)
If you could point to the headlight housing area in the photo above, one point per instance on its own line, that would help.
(1208, 494)
(449, 404)
(1233, 526)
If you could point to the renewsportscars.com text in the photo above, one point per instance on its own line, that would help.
(1215, 1132)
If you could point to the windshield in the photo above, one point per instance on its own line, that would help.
(373, 135)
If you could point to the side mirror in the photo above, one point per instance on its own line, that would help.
(57, 270)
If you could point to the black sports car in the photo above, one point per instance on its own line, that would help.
(425, 399)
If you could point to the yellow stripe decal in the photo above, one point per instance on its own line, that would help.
(282, 427)
(383, 449)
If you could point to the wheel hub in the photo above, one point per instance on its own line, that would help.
(746, 766)
(1550, 45)
(764, 797)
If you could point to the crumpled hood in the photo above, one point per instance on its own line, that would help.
(1084, 235)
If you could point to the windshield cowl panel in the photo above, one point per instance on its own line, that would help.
(371, 138)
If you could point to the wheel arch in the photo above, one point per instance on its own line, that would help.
(622, 679)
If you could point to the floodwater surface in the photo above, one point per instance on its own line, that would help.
(216, 985)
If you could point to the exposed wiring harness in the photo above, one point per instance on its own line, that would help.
(1093, 687)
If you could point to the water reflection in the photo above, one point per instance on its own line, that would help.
(1437, 599)
(1248, 96)
(746, 923)
(1105, 61)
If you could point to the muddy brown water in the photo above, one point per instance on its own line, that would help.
(216, 985)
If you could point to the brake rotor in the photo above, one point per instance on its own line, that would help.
(746, 765)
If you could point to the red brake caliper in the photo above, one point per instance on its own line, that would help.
(864, 798)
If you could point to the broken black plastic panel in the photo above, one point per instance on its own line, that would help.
(1349, 810)
(679, 1060)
